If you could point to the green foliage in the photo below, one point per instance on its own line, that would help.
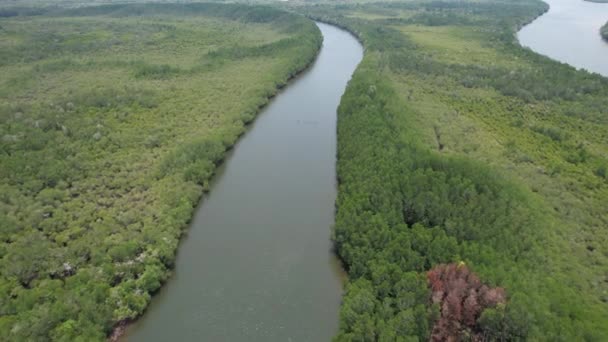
(161, 71)
(444, 136)
(604, 31)
(112, 122)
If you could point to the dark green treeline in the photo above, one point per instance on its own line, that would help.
(403, 206)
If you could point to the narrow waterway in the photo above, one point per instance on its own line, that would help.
(569, 33)
(256, 264)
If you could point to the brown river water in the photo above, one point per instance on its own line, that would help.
(256, 264)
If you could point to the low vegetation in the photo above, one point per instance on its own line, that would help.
(455, 144)
(112, 121)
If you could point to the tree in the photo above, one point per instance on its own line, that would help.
(462, 298)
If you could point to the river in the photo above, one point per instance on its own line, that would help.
(256, 264)
(569, 33)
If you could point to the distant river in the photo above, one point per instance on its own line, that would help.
(256, 264)
(569, 33)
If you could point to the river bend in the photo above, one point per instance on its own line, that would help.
(569, 33)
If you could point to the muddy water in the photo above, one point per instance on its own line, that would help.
(257, 263)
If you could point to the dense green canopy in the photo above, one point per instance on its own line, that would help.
(112, 120)
(456, 144)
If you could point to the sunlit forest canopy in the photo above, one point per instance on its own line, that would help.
(112, 121)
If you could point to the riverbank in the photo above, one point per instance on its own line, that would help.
(114, 119)
(122, 327)
(451, 148)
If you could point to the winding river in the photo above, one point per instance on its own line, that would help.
(569, 33)
(256, 264)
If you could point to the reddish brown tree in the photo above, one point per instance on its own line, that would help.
(461, 298)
